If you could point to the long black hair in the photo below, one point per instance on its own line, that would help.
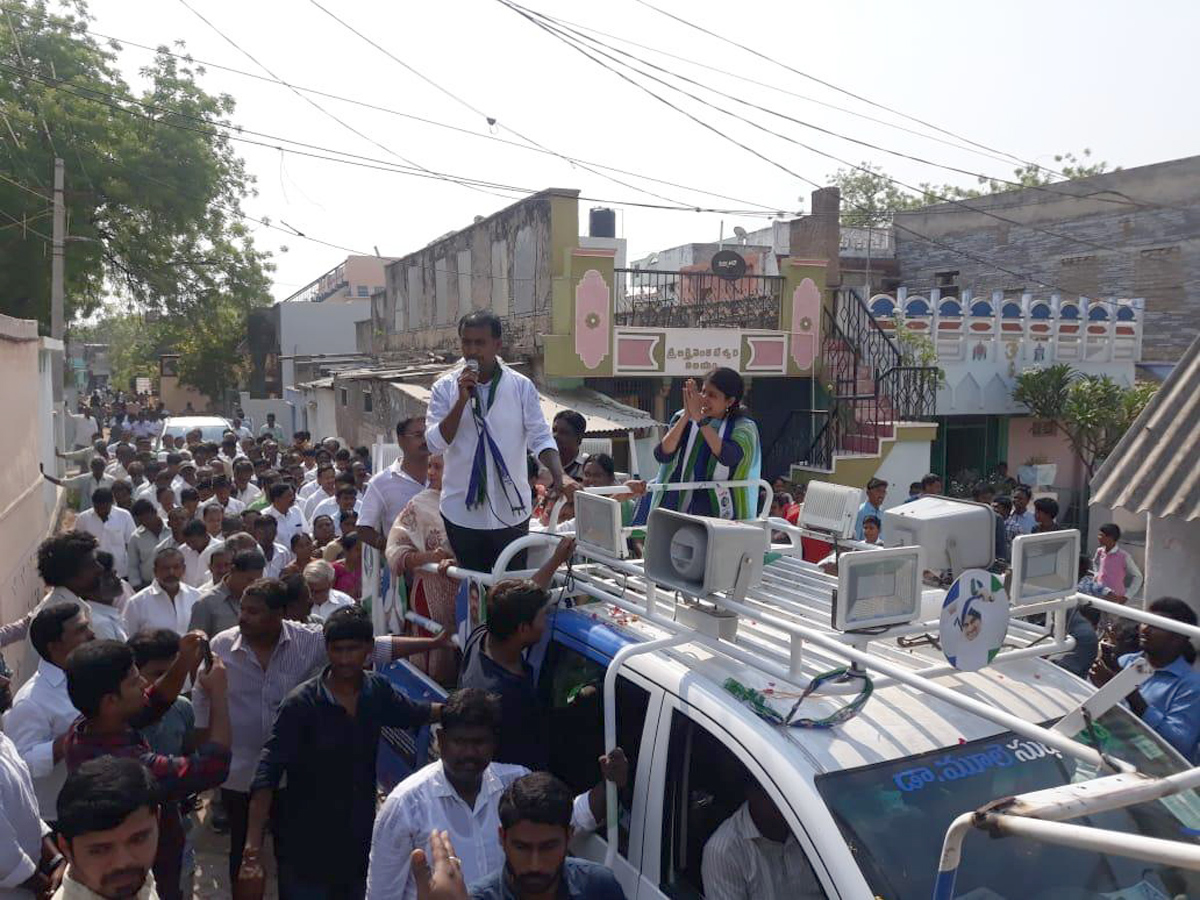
(729, 383)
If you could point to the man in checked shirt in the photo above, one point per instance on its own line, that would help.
(105, 685)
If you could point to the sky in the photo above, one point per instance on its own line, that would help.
(1027, 79)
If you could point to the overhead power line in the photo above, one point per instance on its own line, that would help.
(1025, 276)
(561, 35)
(238, 134)
(841, 90)
(491, 120)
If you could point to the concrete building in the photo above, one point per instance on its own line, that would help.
(1148, 486)
(28, 503)
(1130, 233)
(319, 318)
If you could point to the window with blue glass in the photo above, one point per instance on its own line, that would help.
(882, 306)
(917, 307)
(1125, 314)
(950, 308)
(1069, 311)
(1040, 311)
(1097, 314)
(981, 308)
(1010, 311)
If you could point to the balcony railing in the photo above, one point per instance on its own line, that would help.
(654, 299)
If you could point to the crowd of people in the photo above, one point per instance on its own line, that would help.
(203, 644)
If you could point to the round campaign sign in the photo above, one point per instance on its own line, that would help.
(974, 619)
(728, 264)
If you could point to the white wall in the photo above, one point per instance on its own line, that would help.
(907, 462)
(308, 328)
(1172, 548)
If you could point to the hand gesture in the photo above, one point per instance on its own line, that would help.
(614, 767)
(636, 487)
(1100, 674)
(251, 877)
(191, 648)
(468, 380)
(692, 400)
(444, 638)
(216, 680)
(564, 551)
(445, 561)
(438, 876)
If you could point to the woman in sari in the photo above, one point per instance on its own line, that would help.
(418, 537)
(710, 439)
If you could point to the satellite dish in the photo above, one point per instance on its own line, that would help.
(974, 620)
(740, 232)
(653, 259)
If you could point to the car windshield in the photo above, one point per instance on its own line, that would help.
(894, 816)
(207, 432)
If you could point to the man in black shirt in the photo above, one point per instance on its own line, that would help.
(494, 661)
(325, 740)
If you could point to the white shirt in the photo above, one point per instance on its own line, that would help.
(314, 499)
(244, 432)
(329, 507)
(40, 714)
(739, 863)
(388, 492)
(337, 599)
(248, 495)
(281, 560)
(21, 829)
(107, 622)
(425, 801)
(152, 608)
(196, 564)
(86, 485)
(112, 534)
(233, 506)
(310, 485)
(290, 523)
(518, 427)
(146, 491)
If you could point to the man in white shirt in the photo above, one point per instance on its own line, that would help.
(389, 491)
(283, 510)
(484, 418)
(223, 497)
(319, 575)
(753, 853)
(42, 712)
(345, 500)
(26, 851)
(197, 547)
(271, 429)
(276, 555)
(143, 545)
(460, 793)
(87, 484)
(325, 488)
(244, 490)
(111, 526)
(167, 602)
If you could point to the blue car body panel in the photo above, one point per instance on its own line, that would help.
(402, 752)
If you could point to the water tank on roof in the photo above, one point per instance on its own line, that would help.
(602, 222)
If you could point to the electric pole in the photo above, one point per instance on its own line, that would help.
(57, 278)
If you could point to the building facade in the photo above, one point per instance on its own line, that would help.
(1130, 233)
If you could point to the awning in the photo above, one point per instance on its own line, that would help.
(1154, 469)
(604, 415)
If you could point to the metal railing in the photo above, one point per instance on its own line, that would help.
(656, 299)
(871, 387)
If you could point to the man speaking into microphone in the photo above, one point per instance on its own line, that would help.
(484, 418)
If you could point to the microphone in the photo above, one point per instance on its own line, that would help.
(473, 365)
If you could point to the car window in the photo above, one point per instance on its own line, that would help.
(718, 828)
(572, 686)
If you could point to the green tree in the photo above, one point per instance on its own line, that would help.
(1093, 411)
(870, 197)
(154, 191)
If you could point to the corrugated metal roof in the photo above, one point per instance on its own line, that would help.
(604, 415)
(1156, 467)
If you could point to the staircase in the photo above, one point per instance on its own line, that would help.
(872, 392)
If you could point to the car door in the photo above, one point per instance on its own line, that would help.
(571, 684)
(700, 782)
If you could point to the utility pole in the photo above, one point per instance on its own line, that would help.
(57, 278)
